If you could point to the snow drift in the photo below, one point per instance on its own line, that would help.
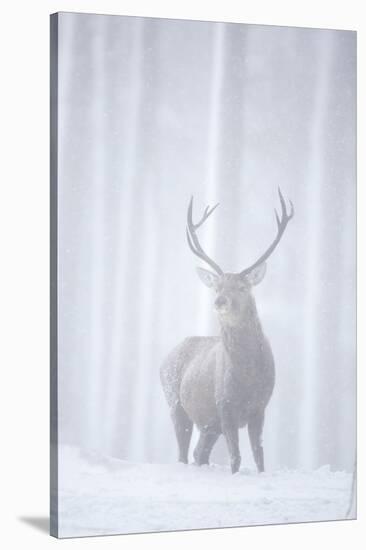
(102, 495)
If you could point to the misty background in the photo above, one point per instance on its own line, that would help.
(152, 111)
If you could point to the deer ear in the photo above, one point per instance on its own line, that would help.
(257, 274)
(207, 277)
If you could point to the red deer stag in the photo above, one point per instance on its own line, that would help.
(223, 383)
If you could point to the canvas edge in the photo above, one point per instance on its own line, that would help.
(54, 530)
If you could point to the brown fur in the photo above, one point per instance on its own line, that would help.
(222, 383)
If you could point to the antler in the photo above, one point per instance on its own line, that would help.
(281, 226)
(192, 238)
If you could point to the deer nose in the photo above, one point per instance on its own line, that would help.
(220, 301)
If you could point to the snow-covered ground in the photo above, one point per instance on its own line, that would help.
(101, 495)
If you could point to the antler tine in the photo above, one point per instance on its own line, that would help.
(192, 238)
(277, 219)
(206, 214)
(292, 211)
(281, 226)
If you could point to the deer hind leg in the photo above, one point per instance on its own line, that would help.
(183, 430)
(207, 439)
(255, 429)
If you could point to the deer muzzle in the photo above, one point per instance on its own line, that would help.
(221, 302)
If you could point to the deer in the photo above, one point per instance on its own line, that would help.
(223, 383)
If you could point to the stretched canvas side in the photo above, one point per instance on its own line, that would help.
(53, 275)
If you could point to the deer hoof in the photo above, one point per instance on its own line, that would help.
(235, 465)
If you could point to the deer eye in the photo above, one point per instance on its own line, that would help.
(242, 288)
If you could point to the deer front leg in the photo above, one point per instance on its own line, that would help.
(231, 433)
(255, 429)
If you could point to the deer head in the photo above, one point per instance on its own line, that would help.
(233, 290)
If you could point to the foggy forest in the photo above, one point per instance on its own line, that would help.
(150, 113)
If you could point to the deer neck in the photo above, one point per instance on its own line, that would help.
(242, 340)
